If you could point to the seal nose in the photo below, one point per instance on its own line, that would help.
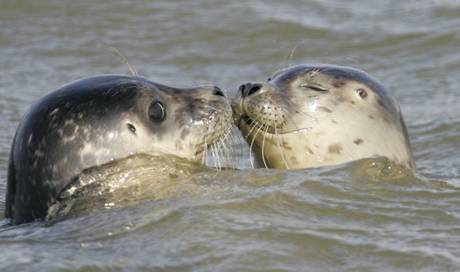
(249, 89)
(217, 91)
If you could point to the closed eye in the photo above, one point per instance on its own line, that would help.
(314, 88)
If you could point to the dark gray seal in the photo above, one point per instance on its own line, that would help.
(101, 119)
(314, 115)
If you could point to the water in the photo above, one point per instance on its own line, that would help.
(334, 218)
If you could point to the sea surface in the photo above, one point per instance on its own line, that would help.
(354, 217)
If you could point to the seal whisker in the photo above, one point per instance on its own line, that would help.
(254, 125)
(223, 147)
(228, 143)
(280, 149)
(263, 148)
(223, 144)
(205, 153)
(220, 151)
(235, 143)
(320, 115)
(132, 70)
(291, 54)
(211, 152)
(251, 159)
(216, 156)
(237, 153)
(228, 149)
(98, 122)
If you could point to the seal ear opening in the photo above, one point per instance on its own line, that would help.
(131, 128)
(361, 92)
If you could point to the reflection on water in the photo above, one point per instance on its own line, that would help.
(360, 216)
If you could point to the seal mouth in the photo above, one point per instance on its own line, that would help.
(258, 126)
(243, 120)
(247, 120)
(255, 126)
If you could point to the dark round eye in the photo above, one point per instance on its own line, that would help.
(361, 92)
(157, 112)
(269, 79)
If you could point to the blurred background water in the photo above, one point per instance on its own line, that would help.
(328, 219)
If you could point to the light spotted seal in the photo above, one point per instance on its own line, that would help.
(100, 119)
(314, 115)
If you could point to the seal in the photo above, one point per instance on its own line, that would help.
(315, 115)
(101, 119)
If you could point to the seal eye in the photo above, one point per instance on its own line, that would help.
(361, 92)
(314, 88)
(157, 112)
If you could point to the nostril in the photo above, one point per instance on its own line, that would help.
(218, 92)
(253, 89)
(249, 89)
(241, 89)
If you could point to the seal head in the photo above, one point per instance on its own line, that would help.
(101, 119)
(315, 115)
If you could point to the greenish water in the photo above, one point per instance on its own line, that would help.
(344, 218)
